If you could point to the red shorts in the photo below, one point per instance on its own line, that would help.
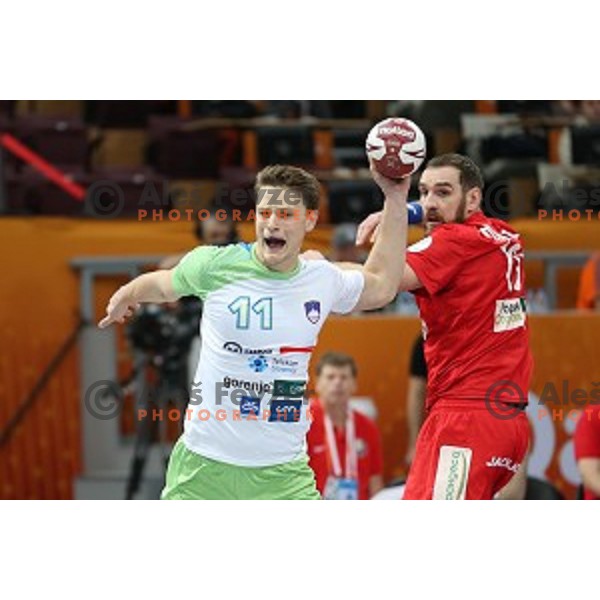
(465, 452)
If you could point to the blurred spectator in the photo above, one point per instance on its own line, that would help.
(415, 396)
(588, 296)
(217, 231)
(343, 245)
(587, 451)
(344, 446)
(212, 232)
(586, 109)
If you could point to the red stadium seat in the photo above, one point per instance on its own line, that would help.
(59, 141)
(140, 187)
(183, 154)
(29, 192)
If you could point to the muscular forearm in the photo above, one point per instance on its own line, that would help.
(150, 287)
(386, 259)
(385, 268)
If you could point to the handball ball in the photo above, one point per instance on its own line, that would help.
(397, 147)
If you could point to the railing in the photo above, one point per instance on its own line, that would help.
(552, 261)
(40, 164)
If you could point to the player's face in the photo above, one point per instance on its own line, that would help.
(443, 198)
(282, 221)
(335, 385)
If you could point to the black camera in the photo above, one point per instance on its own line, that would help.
(166, 334)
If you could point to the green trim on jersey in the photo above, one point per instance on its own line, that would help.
(191, 476)
(208, 268)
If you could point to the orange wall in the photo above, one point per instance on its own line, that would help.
(39, 304)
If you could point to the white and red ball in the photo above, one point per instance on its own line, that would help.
(397, 147)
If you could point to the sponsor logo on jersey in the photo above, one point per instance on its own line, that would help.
(285, 388)
(249, 406)
(510, 314)
(236, 348)
(452, 474)
(259, 387)
(503, 462)
(239, 349)
(258, 363)
(312, 308)
(285, 411)
(284, 365)
(261, 363)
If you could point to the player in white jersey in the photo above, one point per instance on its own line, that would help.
(264, 306)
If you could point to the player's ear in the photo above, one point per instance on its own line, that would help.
(474, 197)
(312, 216)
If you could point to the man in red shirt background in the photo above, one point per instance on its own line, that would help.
(468, 279)
(587, 451)
(344, 446)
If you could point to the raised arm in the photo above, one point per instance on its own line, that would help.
(368, 230)
(408, 282)
(385, 271)
(385, 264)
(150, 287)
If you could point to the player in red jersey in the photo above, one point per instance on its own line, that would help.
(468, 279)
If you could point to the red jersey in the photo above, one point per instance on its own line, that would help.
(368, 442)
(472, 307)
(587, 440)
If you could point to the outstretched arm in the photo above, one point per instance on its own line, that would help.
(150, 287)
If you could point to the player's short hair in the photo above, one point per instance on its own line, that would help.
(470, 173)
(294, 178)
(336, 359)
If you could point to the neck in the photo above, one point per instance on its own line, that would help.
(337, 413)
(284, 267)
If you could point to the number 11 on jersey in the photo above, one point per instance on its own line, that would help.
(263, 307)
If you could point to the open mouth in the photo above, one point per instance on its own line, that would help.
(274, 243)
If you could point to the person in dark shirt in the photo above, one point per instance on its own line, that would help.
(415, 396)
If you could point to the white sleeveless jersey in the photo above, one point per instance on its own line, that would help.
(248, 399)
